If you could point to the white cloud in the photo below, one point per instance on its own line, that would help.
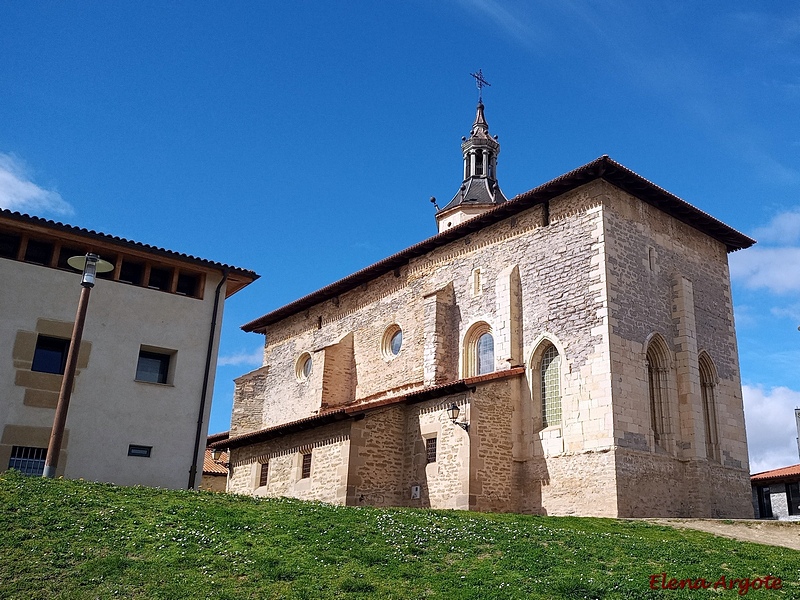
(18, 192)
(787, 312)
(512, 23)
(775, 269)
(784, 229)
(771, 430)
(249, 359)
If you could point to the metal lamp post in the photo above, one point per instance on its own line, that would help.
(91, 264)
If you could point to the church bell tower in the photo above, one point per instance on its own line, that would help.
(479, 191)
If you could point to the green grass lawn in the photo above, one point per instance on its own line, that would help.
(74, 539)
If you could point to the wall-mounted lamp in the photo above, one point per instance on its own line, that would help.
(215, 454)
(453, 413)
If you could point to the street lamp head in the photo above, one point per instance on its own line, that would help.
(91, 264)
(453, 412)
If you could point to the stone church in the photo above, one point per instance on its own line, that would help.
(570, 351)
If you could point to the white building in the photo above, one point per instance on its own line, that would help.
(145, 373)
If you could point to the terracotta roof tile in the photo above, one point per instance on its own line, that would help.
(791, 472)
(215, 467)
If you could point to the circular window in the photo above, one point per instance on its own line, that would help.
(304, 366)
(392, 341)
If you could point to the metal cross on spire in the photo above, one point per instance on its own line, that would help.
(481, 83)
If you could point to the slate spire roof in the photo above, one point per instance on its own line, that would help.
(480, 150)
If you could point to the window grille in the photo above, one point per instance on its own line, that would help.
(262, 478)
(306, 472)
(551, 387)
(140, 451)
(28, 461)
(430, 450)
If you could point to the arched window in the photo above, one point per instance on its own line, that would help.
(657, 369)
(708, 381)
(478, 350)
(484, 352)
(550, 378)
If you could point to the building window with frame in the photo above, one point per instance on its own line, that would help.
(27, 460)
(478, 350)
(657, 371)
(153, 367)
(305, 471)
(484, 353)
(707, 384)
(263, 473)
(477, 284)
(392, 341)
(39, 253)
(50, 355)
(550, 380)
(430, 450)
(303, 367)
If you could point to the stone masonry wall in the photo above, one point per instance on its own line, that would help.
(560, 293)
(667, 278)
(493, 485)
(330, 450)
(445, 482)
(377, 444)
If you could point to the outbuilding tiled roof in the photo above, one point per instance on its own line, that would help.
(602, 168)
(349, 412)
(215, 467)
(792, 472)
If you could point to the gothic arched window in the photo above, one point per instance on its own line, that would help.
(657, 369)
(708, 382)
(550, 379)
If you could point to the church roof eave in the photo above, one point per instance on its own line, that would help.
(601, 168)
(358, 410)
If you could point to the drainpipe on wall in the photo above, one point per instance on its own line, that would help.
(204, 392)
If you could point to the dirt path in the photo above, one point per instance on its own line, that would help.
(773, 533)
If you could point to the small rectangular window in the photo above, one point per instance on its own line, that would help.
(50, 355)
(477, 286)
(152, 367)
(187, 284)
(264, 474)
(306, 473)
(141, 451)
(131, 272)
(160, 279)
(27, 460)
(9, 245)
(430, 450)
(38, 253)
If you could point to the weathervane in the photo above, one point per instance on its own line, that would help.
(481, 83)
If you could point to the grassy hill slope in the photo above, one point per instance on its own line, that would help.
(74, 539)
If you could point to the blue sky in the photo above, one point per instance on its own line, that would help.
(303, 139)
